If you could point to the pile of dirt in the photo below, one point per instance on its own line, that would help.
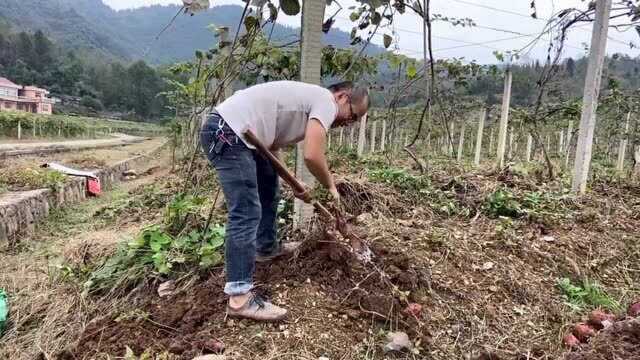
(185, 323)
(619, 341)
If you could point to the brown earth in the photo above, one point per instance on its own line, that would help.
(187, 323)
(619, 341)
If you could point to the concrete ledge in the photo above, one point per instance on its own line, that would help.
(20, 212)
(7, 150)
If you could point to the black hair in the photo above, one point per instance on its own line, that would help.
(358, 93)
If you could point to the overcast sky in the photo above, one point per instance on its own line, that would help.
(506, 25)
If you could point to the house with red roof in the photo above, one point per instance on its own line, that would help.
(24, 98)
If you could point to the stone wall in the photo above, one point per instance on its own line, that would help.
(20, 212)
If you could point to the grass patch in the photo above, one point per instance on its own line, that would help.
(31, 178)
(586, 295)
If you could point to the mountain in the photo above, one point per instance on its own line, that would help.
(130, 34)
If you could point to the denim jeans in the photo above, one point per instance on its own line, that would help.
(250, 186)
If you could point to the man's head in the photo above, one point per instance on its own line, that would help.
(353, 102)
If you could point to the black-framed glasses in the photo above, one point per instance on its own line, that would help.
(354, 116)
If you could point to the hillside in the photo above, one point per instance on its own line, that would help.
(90, 24)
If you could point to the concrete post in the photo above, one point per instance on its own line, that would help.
(311, 55)
(504, 119)
(483, 115)
(590, 97)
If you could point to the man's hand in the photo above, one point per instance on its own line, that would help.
(305, 195)
(335, 198)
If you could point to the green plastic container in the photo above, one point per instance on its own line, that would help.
(4, 310)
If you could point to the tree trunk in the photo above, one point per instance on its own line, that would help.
(340, 137)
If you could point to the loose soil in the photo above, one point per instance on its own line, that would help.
(620, 341)
(188, 323)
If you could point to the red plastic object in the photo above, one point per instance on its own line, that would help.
(93, 186)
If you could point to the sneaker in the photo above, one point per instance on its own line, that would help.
(258, 309)
(285, 249)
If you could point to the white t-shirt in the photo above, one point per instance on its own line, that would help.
(277, 112)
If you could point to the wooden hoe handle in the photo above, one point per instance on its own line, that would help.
(282, 170)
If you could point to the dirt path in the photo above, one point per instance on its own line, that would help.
(24, 148)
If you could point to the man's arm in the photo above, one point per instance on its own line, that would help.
(314, 154)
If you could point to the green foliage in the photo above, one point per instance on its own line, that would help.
(174, 246)
(502, 202)
(537, 206)
(69, 126)
(400, 179)
(28, 59)
(586, 295)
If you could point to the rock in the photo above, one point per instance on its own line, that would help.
(166, 288)
(210, 357)
(413, 309)
(548, 238)
(364, 218)
(323, 358)
(214, 346)
(398, 341)
(130, 172)
(487, 266)
(570, 341)
(634, 309)
(176, 347)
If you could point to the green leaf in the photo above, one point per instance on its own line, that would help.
(354, 16)
(387, 40)
(376, 18)
(210, 260)
(290, 7)
(412, 71)
(250, 23)
(138, 242)
(273, 12)
(158, 241)
(161, 264)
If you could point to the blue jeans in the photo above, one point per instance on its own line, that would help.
(250, 186)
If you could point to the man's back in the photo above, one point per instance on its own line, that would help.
(278, 112)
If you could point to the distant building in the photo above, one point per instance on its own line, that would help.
(24, 98)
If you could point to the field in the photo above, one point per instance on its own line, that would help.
(34, 126)
(502, 263)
